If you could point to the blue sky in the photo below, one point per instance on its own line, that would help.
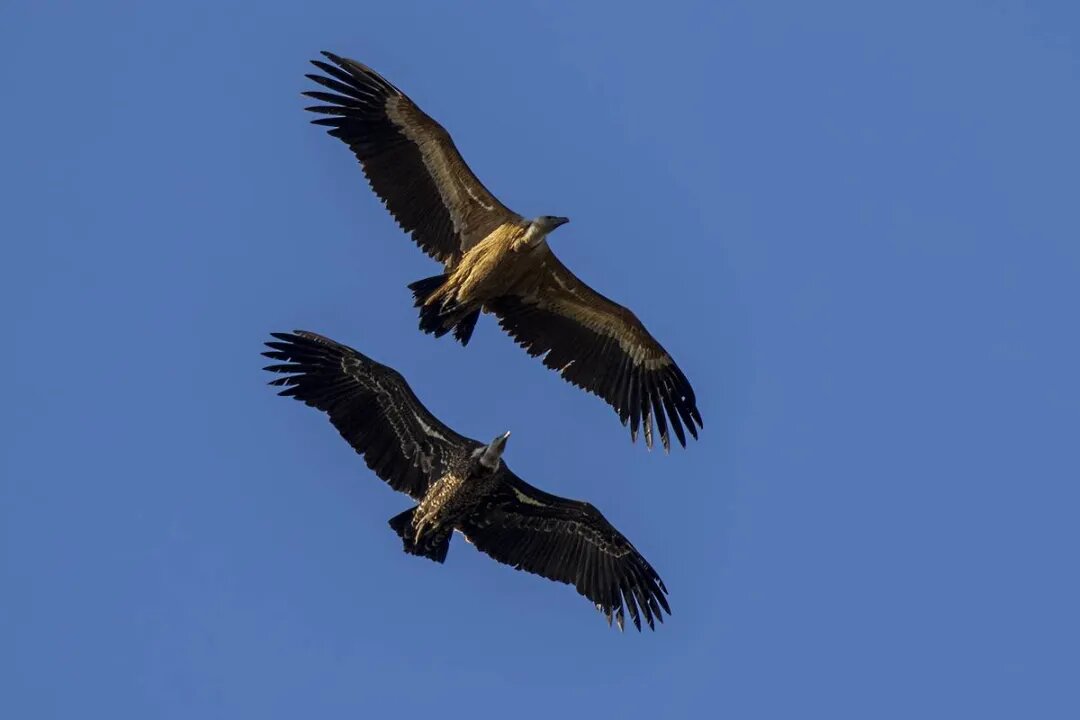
(854, 224)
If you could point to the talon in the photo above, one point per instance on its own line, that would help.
(419, 530)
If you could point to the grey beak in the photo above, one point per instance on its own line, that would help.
(500, 442)
(561, 221)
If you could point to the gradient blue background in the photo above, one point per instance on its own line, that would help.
(855, 225)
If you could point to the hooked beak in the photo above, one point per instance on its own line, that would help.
(560, 221)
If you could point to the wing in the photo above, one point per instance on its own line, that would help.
(372, 407)
(602, 347)
(571, 542)
(408, 158)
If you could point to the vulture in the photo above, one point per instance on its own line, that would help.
(495, 260)
(462, 484)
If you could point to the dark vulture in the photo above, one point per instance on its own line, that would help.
(461, 484)
(495, 260)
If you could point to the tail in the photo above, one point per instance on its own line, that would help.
(439, 318)
(433, 546)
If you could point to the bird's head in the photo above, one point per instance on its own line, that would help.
(547, 223)
(490, 457)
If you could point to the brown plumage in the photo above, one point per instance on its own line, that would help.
(497, 261)
(464, 485)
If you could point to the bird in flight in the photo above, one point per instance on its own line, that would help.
(462, 484)
(495, 260)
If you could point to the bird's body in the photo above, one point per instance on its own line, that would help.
(450, 499)
(507, 262)
(503, 262)
(456, 496)
(464, 485)
(497, 261)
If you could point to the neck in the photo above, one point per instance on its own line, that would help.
(533, 235)
(490, 458)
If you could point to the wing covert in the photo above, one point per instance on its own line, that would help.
(372, 407)
(409, 159)
(603, 348)
(570, 542)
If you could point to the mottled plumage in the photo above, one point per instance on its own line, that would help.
(497, 261)
(461, 484)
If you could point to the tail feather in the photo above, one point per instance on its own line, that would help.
(439, 318)
(433, 546)
(423, 289)
(463, 330)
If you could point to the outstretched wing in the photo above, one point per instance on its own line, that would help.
(571, 542)
(372, 407)
(601, 347)
(408, 158)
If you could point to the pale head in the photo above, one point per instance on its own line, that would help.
(490, 456)
(546, 223)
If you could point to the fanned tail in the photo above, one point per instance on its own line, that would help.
(439, 318)
(433, 546)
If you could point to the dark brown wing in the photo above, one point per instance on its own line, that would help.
(372, 407)
(570, 542)
(408, 158)
(602, 347)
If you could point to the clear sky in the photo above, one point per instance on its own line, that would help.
(855, 225)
